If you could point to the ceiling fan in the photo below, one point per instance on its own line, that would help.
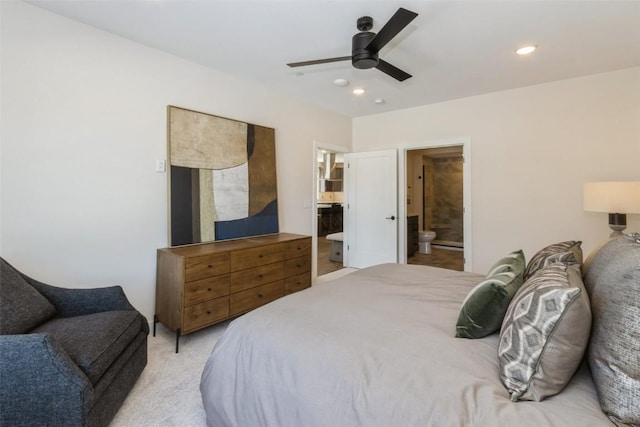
(365, 45)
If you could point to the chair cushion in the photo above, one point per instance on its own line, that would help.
(545, 333)
(22, 307)
(94, 341)
(484, 307)
(612, 279)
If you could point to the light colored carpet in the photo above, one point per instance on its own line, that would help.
(168, 391)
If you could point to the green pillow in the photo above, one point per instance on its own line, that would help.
(484, 307)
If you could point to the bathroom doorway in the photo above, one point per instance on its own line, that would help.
(329, 216)
(435, 207)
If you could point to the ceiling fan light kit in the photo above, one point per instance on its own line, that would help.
(365, 45)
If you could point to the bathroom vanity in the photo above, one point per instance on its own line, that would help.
(412, 235)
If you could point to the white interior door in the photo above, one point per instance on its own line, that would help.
(371, 224)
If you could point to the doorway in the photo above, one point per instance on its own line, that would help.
(360, 223)
(329, 192)
(436, 196)
(435, 232)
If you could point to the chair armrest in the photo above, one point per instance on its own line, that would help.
(78, 302)
(40, 383)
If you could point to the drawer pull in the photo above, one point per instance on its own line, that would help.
(208, 311)
(259, 295)
(260, 256)
(298, 265)
(209, 266)
(259, 276)
(209, 289)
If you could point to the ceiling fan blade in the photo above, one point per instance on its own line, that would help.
(319, 61)
(398, 21)
(394, 72)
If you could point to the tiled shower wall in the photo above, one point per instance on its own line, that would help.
(443, 198)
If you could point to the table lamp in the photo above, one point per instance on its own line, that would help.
(616, 198)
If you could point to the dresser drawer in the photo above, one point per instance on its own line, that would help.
(206, 289)
(252, 277)
(204, 314)
(297, 283)
(247, 258)
(298, 248)
(201, 267)
(296, 266)
(252, 298)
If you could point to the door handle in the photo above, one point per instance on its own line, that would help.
(392, 218)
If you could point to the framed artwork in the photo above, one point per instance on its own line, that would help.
(222, 178)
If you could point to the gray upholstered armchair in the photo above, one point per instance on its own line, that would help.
(67, 356)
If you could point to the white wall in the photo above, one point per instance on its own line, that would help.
(83, 122)
(532, 149)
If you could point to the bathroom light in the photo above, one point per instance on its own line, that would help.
(616, 198)
(525, 50)
(358, 91)
(341, 82)
(379, 101)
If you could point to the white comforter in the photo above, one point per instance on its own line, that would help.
(373, 348)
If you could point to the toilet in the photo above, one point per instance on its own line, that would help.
(424, 241)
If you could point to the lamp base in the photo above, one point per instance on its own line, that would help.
(617, 222)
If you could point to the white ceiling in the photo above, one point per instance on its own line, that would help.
(453, 49)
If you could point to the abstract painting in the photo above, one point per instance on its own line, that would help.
(222, 178)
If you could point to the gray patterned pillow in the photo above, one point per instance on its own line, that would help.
(613, 282)
(568, 252)
(544, 333)
(484, 307)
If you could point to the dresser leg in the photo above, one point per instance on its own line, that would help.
(155, 320)
(177, 339)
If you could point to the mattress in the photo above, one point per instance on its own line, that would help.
(376, 347)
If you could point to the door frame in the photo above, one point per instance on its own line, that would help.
(314, 202)
(465, 142)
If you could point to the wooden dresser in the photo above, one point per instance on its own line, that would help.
(200, 285)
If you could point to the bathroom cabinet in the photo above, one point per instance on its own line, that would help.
(412, 235)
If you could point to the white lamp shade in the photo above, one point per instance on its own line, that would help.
(612, 197)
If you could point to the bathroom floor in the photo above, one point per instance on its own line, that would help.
(443, 258)
(325, 265)
(439, 257)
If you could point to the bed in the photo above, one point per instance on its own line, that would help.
(376, 347)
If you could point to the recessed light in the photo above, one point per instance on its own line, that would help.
(379, 101)
(525, 50)
(358, 91)
(341, 82)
